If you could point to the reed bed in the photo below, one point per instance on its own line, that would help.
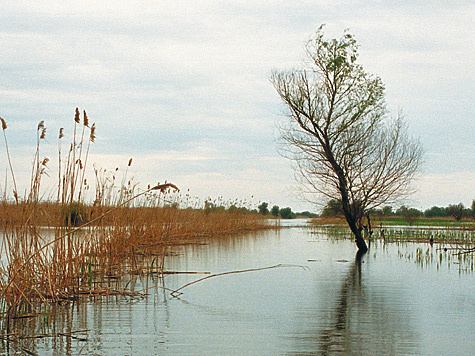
(457, 256)
(436, 235)
(59, 249)
(399, 221)
(454, 248)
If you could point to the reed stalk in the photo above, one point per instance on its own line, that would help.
(120, 232)
(4, 127)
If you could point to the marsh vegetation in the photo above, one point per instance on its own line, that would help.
(381, 302)
(54, 250)
(124, 242)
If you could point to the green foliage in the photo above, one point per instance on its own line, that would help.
(333, 208)
(409, 214)
(212, 207)
(74, 214)
(457, 211)
(435, 211)
(472, 212)
(235, 209)
(275, 211)
(387, 211)
(232, 208)
(209, 206)
(263, 210)
(307, 214)
(286, 213)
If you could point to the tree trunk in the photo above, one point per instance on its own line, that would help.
(351, 219)
(360, 242)
(355, 229)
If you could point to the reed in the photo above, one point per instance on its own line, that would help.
(58, 250)
(434, 235)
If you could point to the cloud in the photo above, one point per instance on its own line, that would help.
(442, 189)
(184, 87)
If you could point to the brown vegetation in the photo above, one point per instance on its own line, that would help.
(56, 251)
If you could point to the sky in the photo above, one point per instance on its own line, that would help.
(183, 87)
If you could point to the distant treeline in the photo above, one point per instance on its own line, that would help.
(333, 209)
(458, 211)
(284, 213)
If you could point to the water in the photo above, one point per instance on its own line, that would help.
(383, 304)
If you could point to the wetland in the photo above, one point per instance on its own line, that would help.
(321, 300)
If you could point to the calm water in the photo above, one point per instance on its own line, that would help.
(382, 304)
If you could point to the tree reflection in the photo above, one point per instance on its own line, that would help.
(364, 319)
(337, 337)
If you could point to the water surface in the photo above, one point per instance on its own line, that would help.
(381, 304)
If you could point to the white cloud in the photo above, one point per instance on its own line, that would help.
(442, 189)
(158, 77)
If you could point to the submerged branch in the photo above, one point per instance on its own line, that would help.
(176, 292)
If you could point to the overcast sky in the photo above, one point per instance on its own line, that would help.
(183, 86)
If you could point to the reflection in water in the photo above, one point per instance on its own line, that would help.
(113, 325)
(361, 321)
(375, 304)
(337, 337)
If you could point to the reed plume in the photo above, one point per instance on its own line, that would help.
(15, 191)
(117, 234)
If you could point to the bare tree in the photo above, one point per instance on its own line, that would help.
(338, 133)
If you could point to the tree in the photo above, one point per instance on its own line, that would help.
(275, 211)
(410, 214)
(342, 143)
(263, 210)
(387, 210)
(472, 212)
(333, 208)
(286, 213)
(307, 214)
(456, 211)
(434, 212)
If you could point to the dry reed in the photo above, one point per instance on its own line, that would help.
(57, 251)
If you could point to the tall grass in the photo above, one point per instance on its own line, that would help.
(57, 250)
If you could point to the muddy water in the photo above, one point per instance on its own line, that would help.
(383, 304)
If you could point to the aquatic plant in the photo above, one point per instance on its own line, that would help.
(459, 257)
(434, 246)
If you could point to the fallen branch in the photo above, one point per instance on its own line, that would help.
(457, 250)
(181, 272)
(177, 292)
(466, 250)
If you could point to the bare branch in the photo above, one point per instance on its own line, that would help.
(338, 136)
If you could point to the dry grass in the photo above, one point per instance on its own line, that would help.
(46, 257)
